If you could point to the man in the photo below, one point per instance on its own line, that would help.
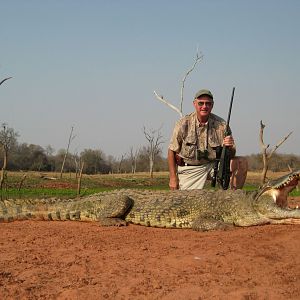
(191, 152)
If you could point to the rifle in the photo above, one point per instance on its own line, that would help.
(222, 164)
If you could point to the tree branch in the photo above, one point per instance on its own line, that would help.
(71, 138)
(5, 79)
(266, 156)
(279, 144)
(160, 98)
(197, 59)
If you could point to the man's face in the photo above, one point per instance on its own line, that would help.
(203, 106)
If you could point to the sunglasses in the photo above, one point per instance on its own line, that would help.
(207, 103)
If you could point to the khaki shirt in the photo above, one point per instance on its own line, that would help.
(189, 135)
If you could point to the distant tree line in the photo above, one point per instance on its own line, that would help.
(278, 162)
(30, 157)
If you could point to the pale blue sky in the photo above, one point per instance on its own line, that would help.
(95, 65)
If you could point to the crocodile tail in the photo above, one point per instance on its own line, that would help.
(22, 209)
(10, 211)
(41, 209)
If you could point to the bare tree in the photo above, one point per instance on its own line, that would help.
(121, 162)
(133, 159)
(71, 138)
(79, 178)
(77, 163)
(154, 139)
(21, 182)
(266, 155)
(168, 103)
(8, 138)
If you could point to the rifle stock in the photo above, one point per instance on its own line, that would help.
(223, 176)
(216, 166)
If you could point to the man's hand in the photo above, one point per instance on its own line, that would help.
(173, 183)
(228, 141)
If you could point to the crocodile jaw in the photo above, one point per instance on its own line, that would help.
(280, 194)
(280, 188)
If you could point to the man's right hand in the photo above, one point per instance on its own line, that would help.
(173, 184)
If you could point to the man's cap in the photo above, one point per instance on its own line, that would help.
(204, 92)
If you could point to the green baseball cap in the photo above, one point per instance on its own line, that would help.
(204, 92)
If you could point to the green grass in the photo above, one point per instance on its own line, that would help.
(36, 193)
(295, 193)
(47, 193)
(61, 193)
(36, 187)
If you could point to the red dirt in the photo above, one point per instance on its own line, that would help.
(73, 260)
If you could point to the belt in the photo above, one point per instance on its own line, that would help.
(189, 165)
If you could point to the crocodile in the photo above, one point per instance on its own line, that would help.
(199, 210)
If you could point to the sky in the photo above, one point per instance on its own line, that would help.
(94, 65)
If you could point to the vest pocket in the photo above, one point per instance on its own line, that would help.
(188, 149)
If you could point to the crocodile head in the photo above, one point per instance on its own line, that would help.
(280, 188)
(271, 200)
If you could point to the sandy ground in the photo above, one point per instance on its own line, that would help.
(73, 260)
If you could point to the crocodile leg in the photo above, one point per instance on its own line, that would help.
(113, 211)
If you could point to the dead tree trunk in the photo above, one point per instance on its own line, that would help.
(71, 137)
(21, 182)
(133, 159)
(3, 171)
(8, 138)
(77, 163)
(120, 163)
(79, 179)
(5, 148)
(151, 164)
(266, 156)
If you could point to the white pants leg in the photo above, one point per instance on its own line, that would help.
(193, 177)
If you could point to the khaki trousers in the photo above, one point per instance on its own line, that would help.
(194, 177)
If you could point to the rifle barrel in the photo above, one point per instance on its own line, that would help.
(229, 112)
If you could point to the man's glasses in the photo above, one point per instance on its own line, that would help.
(202, 103)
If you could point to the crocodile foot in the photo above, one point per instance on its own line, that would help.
(203, 224)
(112, 222)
